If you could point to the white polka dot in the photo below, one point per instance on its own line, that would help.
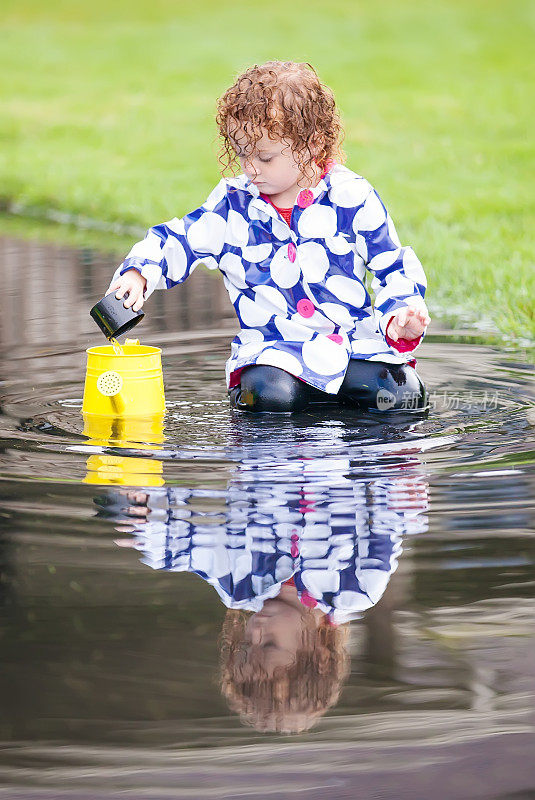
(339, 174)
(153, 274)
(233, 291)
(333, 387)
(318, 221)
(261, 583)
(388, 358)
(283, 568)
(272, 299)
(349, 193)
(237, 231)
(369, 346)
(176, 225)
(283, 271)
(313, 260)
(347, 289)
(177, 261)
(374, 582)
(359, 267)
(339, 314)
(247, 335)
(280, 230)
(392, 231)
(399, 285)
(216, 195)
(253, 313)
(371, 216)
(338, 245)
(278, 358)
(412, 267)
(351, 601)
(320, 581)
(416, 301)
(257, 252)
(362, 247)
(206, 261)
(317, 322)
(292, 331)
(385, 259)
(367, 328)
(249, 349)
(232, 266)
(323, 356)
(207, 233)
(257, 213)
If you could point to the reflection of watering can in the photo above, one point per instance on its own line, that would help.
(145, 433)
(126, 385)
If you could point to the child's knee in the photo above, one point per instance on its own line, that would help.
(266, 388)
(379, 386)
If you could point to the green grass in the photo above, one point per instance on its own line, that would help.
(107, 109)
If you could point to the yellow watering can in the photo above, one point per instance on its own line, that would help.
(124, 401)
(125, 385)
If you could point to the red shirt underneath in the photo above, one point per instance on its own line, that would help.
(284, 212)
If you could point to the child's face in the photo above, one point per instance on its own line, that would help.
(271, 166)
(274, 635)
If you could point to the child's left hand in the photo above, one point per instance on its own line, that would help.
(408, 323)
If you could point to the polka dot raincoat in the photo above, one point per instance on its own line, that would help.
(299, 291)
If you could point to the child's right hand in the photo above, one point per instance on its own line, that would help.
(132, 282)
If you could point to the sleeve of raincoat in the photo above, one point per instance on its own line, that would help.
(171, 251)
(398, 277)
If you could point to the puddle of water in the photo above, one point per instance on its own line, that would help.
(131, 561)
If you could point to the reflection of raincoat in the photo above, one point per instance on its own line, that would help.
(340, 546)
(298, 291)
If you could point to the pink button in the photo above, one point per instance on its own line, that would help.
(294, 551)
(305, 308)
(335, 337)
(305, 198)
(292, 252)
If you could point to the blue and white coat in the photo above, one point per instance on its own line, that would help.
(340, 549)
(299, 292)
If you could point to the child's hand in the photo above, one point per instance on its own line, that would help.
(409, 323)
(132, 282)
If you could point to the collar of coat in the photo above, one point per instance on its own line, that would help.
(243, 183)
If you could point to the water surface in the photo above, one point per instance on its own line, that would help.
(110, 648)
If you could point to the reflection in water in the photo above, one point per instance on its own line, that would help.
(305, 546)
(107, 683)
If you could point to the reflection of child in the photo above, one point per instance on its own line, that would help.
(303, 561)
(282, 667)
(293, 236)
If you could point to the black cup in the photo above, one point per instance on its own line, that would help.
(113, 318)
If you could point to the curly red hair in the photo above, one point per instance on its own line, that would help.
(286, 99)
(293, 698)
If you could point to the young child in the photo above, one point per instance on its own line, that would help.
(293, 235)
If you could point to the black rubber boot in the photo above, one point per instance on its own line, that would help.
(376, 386)
(265, 388)
(368, 385)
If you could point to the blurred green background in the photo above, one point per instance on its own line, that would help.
(107, 110)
